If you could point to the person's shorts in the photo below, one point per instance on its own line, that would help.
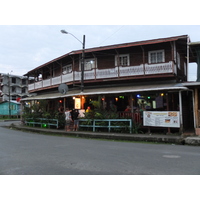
(76, 122)
(67, 122)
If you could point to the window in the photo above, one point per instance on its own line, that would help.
(156, 56)
(23, 90)
(122, 60)
(13, 89)
(67, 69)
(13, 80)
(23, 81)
(89, 64)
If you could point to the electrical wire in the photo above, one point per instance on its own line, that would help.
(112, 34)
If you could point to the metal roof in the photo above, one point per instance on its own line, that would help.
(110, 90)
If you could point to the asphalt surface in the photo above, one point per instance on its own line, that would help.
(157, 138)
(26, 153)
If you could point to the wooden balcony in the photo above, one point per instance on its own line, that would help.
(98, 74)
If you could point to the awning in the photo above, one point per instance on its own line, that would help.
(110, 90)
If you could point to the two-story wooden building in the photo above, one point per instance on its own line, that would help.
(146, 74)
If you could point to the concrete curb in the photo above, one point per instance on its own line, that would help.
(193, 141)
(170, 139)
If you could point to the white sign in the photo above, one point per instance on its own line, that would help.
(77, 103)
(161, 119)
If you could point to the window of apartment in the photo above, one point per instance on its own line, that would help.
(67, 69)
(89, 64)
(13, 80)
(122, 60)
(156, 56)
(23, 81)
(13, 89)
(23, 90)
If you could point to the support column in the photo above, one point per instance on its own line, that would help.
(196, 99)
(167, 101)
(181, 112)
(64, 103)
(196, 111)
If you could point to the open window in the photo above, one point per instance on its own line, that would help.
(89, 64)
(67, 69)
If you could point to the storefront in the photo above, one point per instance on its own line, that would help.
(173, 97)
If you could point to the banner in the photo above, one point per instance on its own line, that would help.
(161, 118)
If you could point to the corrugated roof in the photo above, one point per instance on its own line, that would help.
(111, 90)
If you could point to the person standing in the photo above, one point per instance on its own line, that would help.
(68, 119)
(76, 119)
(128, 109)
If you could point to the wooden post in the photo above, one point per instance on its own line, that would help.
(196, 98)
(167, 100)
(181, 112)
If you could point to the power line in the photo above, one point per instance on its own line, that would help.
(112, 34)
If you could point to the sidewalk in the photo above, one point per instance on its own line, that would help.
(170, 139)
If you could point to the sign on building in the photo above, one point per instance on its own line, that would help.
(161, 118)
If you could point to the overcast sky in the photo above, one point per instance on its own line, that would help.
(25, 47)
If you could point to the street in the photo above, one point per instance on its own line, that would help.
(23, 153)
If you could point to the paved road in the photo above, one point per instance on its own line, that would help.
(35, 154)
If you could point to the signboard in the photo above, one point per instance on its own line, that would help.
(77, 103)
(161, 118)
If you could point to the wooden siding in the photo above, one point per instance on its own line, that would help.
(139, 66)
(14, 108)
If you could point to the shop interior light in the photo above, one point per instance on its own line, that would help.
(138, 96)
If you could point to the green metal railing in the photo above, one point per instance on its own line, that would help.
(97, 123)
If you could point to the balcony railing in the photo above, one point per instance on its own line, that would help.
(116, 72)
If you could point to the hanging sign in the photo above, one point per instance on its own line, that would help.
(161, 119)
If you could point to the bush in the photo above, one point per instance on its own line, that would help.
(39, 110)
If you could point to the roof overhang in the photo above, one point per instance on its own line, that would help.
(110, 90)
(192, 84)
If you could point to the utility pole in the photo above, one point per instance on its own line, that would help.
(82, 57)
(9, 110)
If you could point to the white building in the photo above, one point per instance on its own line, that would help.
(13, 87)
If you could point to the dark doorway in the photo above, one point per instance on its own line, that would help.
(187, 111)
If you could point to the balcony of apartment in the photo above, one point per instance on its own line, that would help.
(111, 73)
